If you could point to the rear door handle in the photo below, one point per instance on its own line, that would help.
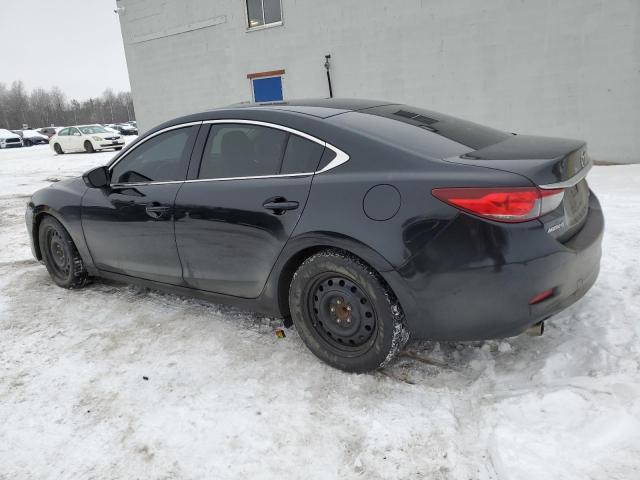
(280, 205)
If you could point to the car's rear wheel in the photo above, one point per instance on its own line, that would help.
(58, 148)
(60, 255)
(88, 147)
(345, 313)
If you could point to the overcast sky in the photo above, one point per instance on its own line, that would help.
(74, 44)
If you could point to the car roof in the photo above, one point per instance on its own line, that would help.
(317, 107)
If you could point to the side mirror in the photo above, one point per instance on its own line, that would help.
(97, 178)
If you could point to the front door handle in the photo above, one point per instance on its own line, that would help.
(157, 211)
(280, 205)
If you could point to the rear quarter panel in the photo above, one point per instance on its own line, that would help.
(404, 247)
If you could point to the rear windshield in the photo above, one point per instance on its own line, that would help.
(469, 134)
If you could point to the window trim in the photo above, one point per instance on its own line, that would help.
(264, 25)
(340, 158)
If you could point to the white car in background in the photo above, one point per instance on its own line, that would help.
(9, 139)
(85, 138)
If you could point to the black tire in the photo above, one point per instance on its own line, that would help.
(58, 148)
(88, 147)
(60, 255)
(27, 143)
(345, 313)
(118, 149)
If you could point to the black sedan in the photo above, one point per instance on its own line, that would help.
(32, 137)
(362, 222)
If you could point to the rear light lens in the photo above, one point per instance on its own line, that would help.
(508, 204)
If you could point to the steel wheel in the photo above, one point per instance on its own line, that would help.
(60, 255)
(345, 313)
(342, 313)
(56, 250)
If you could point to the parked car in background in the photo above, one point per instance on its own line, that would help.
(110, 127)
(126, 129)
(87, 138)
(31, 137)
(49, 131)
(9, 139)
(363, 222)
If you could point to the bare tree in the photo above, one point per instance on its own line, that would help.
(4, 120)
(50, 107)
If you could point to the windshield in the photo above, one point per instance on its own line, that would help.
(92, 129)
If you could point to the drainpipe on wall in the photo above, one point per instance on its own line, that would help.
(327, 65)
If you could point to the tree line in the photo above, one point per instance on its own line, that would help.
(43, 108)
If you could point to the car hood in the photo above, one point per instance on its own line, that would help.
(35, 135)
(8, 134)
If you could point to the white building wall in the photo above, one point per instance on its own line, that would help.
(563, 68)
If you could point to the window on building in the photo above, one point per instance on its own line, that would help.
(263, 12)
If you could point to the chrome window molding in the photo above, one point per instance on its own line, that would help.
(340, 156)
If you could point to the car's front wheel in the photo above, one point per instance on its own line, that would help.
(27, 143)
(60, 255)
(88, 147)
(345, 313)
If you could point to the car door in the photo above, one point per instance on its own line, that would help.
(74, 140)
(129, 225)
(246, 196)
(62, 138)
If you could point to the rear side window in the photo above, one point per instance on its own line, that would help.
(63, 132)
(301, 155)
(239, 150)
(162, 158)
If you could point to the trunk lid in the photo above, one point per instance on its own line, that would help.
(550, 163)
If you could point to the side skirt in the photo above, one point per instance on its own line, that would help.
(256, 305)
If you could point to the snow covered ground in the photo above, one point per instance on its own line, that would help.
(115, 381)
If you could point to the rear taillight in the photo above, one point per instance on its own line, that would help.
(508, 204)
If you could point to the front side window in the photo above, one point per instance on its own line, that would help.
(238, 150)
(162, 158)
(74, 131)
(263, 12)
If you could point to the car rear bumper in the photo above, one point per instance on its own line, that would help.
(476, 280)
